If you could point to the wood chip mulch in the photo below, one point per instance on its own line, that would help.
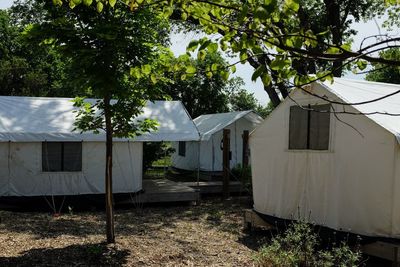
(209, 234)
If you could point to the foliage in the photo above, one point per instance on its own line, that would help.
(275, 36)
(203, 92)
(102, 53)
(154, 151)
(208, 91)
(383, 73)
(28, 68)
(299, 246)
(240, 99)
(243, 174)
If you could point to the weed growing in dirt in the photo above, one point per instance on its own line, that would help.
(299, 246)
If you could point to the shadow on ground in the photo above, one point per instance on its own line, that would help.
(74, 255)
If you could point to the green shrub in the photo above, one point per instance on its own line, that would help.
(243, 174)
(155, 151)
(299, 246)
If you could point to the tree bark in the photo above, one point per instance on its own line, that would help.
(108, 174)
(334, 21)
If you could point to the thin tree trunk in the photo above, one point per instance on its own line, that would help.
(108, 176)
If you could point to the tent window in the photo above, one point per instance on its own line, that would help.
(61, 156)
(182, 149)
(309, 129)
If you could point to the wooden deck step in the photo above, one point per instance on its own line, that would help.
(164, 190)
(214, 187)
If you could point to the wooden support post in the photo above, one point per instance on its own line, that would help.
(225, 162)
(245, 150)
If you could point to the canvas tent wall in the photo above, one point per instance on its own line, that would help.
(208, 153)
(36, 136)
(351, 185)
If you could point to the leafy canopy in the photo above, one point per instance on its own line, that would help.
(272, 33)
(113, 55)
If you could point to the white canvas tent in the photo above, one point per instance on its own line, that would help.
(41, 155)
(207, 154)
(338, 170)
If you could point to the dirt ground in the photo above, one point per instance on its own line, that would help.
(209, 234)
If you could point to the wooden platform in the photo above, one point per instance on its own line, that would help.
(214, 187)
(252, 220)
(384, 250)
(164, 190)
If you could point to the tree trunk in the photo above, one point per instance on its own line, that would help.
(108, 177)
(334, 21)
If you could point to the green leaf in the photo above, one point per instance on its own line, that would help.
(204, 44)
(243, 13)
(243, 57)
(99, 7)
(258, 72)
(223, 45)
(279, 64)
(201, 55)
(261, 13)
(136, 73)
(212, 47)
(112, 3)
(153, 78)
(333, 50)
(233, 68)
(346, 46)
(184, 16)
(362, 64)
(57, 2)
(192, 46)
(190, 69)
(292, 4)
(224, 75)
(146, 69)
(214, 67)
(266, 79)
(87, 2)
(72, 4)
(77, 2)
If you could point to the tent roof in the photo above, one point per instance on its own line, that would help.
(354, 91)
(211, 123)
(36, 119)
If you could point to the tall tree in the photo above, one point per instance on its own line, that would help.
(270, 34)
(103, 50)
(384, 73)
(28, 68)
(205, 91)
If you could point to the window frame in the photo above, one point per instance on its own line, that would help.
(45, 166)
(308, 145)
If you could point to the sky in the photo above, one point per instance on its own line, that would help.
(180, 41)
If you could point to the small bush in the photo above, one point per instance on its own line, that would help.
(299, 246)
(243, 174)
(155, 151)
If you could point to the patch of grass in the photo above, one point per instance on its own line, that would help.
(165, 161)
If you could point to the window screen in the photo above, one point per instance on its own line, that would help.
(319, 128)
(182, 149)
(298, 128)
(309, 129)
(61, 156)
